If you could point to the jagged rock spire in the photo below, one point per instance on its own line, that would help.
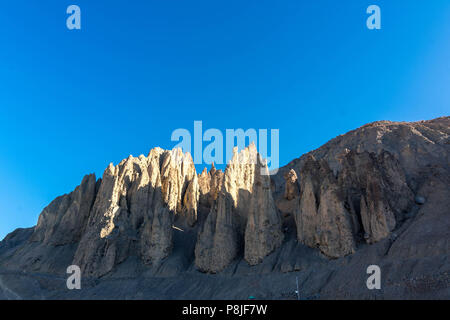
(244, 217)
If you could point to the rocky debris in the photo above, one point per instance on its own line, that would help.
(419, 200)
(428, 233)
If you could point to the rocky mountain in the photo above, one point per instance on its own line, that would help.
(152, 227)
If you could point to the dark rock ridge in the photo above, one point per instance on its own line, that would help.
(379, 193)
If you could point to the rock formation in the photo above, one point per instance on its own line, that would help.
(128, 213)
(219, 242)
(190, 202)
(377, 193)
(322, 219)
(209, 186)
(292, 189)
(244, 218)
(263, 231)
(335, 211)
(64, 220)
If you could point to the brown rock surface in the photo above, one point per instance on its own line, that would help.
(135, 208)
(63, 221)
(378, 194)
(263, 231)
(244, 217)
(322, 219)
(292, 189)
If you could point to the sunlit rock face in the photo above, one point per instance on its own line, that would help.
(292, 187)
(385, 184)
(244, 217)
(130, 215)
(134, 208)
(263, 231)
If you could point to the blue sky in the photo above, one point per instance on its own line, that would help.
(71, 101)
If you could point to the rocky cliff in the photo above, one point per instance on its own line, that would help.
(244, 218)
(379, 194)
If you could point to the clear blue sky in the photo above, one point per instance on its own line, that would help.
(73, 101)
